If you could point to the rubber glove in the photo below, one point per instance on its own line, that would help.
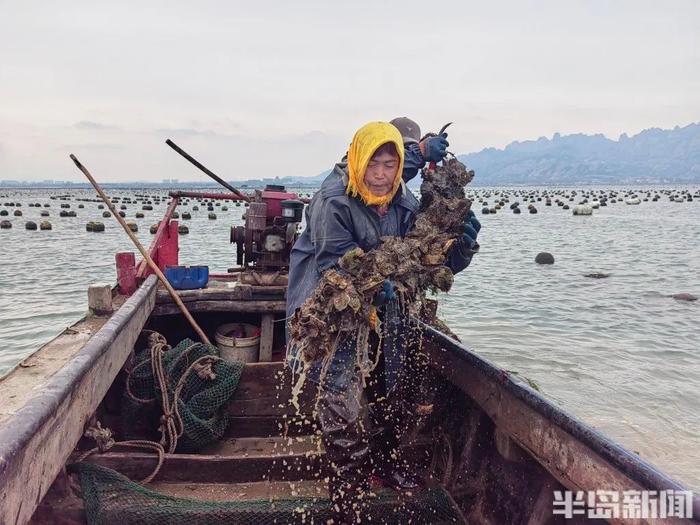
(435, 148)
(385, 294)
(471, 228)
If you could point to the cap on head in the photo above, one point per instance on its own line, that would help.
(409, 129)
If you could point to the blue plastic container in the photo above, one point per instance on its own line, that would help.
(187, 277)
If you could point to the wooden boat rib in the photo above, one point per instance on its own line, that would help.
(499, 455)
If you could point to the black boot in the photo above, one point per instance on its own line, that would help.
(347, 453)
(390, 466)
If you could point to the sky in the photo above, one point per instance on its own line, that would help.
(259, 89)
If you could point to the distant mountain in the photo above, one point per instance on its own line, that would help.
(288, 181)
(652, 156)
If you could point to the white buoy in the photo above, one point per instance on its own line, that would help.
(583, 209)
(633, 200)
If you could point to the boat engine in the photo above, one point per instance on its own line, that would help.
(271, 227)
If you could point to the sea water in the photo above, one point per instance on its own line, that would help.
(619, 353)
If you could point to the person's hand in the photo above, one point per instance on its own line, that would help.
(471, 229)
(385, 294)
(434, 148)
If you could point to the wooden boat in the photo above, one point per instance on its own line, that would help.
(496, 454)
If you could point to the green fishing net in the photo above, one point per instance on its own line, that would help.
(112, 498)
(202, 391)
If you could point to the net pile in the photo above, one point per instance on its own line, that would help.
(181, 391)
(112, 498)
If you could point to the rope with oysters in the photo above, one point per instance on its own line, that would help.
(342, 302)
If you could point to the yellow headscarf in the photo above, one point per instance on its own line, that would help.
(365, 142)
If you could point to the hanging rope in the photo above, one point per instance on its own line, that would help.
(104, 440)
(171, 425)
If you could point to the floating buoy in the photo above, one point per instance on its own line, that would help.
(99, 206)
(176, 215)
(45, 225)
(224, 208)
(122, 213)
(544, 258)
(583, 209)
(183, 230)
(147, 207)
(154, 228)
(30, 225)
(684, 297)
(186, 215)
(212, 216)
(5, 225)
(139, 215)
(516, 210)
(17, 213)
(81, 206)
(93, 226)
(44, 213)
(106, 214)
(133, 226)
(4, 213)
(195, 208)
(632, 200)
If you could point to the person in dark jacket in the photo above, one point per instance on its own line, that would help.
(363, 199)
(419, 151)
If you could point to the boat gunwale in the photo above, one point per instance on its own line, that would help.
(17, 431)
(629, 464)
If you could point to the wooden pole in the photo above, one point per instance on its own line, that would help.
(144, 253)
(206, 170)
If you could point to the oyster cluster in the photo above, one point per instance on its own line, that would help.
(415, 264)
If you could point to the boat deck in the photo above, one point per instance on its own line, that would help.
(270, 457)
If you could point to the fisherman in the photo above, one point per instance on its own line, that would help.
(419, 151)
(363, 199)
